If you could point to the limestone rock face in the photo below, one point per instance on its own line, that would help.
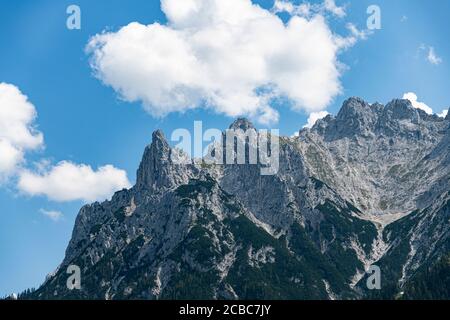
(369, 186)
(242, 124)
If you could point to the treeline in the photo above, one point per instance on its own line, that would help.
(431, 283)
(24, 295)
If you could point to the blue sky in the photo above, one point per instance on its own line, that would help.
(85, 122)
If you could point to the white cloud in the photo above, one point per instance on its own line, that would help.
(9, 158)
(411, 96)
(68, 182)
(231, 56)
(356, 33)
(306, 9)
(17, 115)
(331, 6)
(64, 182)
(314, 117)
(432, 57)
(283, 6)
(52, 214)
(443, 114)
(17, 132)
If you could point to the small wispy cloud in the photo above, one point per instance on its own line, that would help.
(306, 9)
(331, 6)
(431, 55)
(283, 6)
(52, 214)
(354, 36)
(357, 33)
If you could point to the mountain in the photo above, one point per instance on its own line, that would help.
(369, 186)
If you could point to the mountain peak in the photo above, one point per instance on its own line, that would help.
(355, 117)
(401, 104)
(159, 144)
(161, 167)
(158, 135)
(156, 155)
(352, 107)
(243, 124)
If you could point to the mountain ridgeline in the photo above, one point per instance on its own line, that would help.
(370, 186)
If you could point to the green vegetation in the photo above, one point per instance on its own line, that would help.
(430, 283)
(342, 224)
(287, 278)
(120, 214)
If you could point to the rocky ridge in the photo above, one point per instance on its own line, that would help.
(368, 186)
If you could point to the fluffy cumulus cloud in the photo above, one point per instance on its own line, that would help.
(443, 114)
(68, 182)
(411, 96)
(314, 117)
(232, 56)
(17, 130)
(9, 158)
(63, 182)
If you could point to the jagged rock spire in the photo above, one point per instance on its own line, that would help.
(160, 147)
(160, 169)
(155, 160)
(242, 123)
